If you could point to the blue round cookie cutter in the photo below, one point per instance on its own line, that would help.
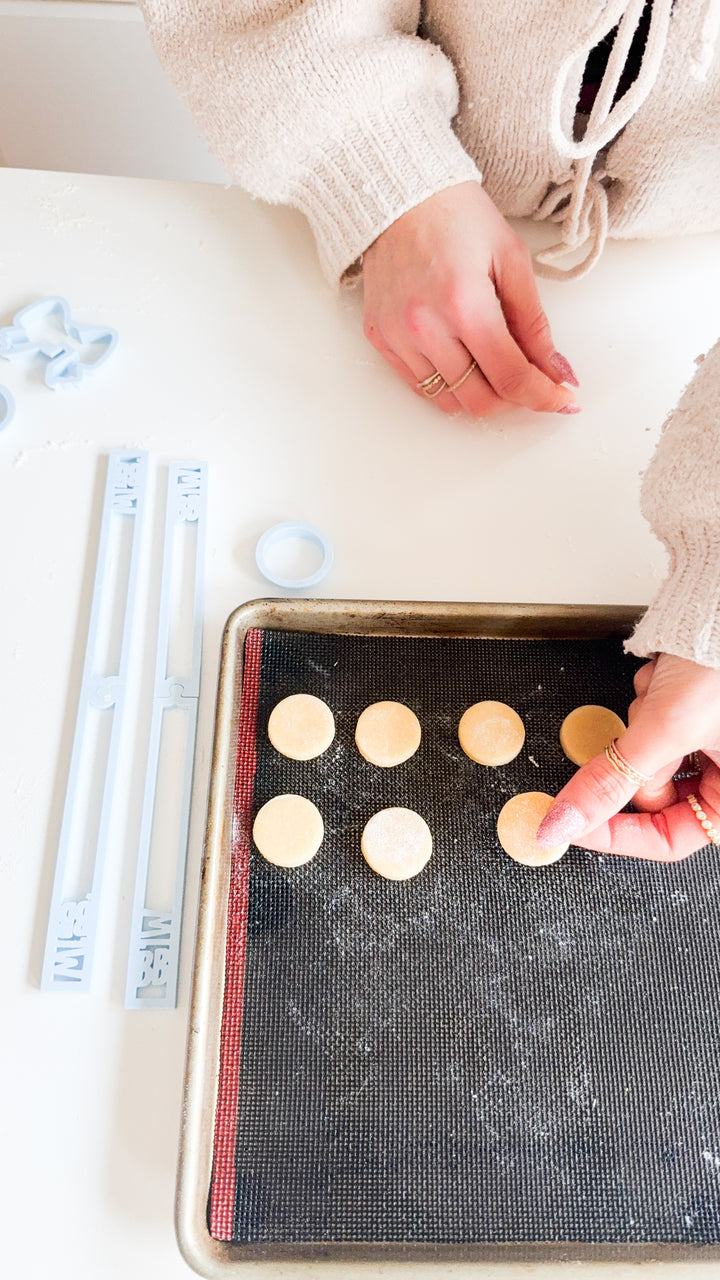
(293, 529)
(7, 408)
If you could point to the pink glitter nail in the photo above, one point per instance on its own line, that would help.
(560, 825)
(564, 368)
(570, 408)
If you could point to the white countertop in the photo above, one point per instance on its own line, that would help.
(233, 350)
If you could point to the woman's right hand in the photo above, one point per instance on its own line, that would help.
(449, 282)
(676, 712)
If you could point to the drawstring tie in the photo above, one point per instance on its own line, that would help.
(590, 225)
(580, 204)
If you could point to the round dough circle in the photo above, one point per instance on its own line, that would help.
(288, 831)
(517, 824)
(396, 843)
(301, 726)
(491, 733)
(587, 731)
(387, 733)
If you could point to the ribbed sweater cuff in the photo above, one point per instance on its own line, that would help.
(362, 182)
(684, 617)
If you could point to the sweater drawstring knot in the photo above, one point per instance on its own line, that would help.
(589, 226)
(580, 204)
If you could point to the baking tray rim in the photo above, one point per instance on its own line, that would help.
(215, 1258)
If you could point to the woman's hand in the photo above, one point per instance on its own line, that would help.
(676, 711)
(450, 282)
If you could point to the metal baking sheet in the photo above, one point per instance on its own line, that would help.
(503, 1148)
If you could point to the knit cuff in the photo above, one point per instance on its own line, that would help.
(684, 617)
(361, 183)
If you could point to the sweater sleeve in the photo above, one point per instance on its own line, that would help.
(336, 107)
(681, 499)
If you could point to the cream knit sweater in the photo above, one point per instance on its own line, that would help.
(681, 500)
(354, 111)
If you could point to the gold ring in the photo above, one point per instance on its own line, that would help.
(623, 766)
(468, 371)
(432, 394)
(703, 819)
(433, 385)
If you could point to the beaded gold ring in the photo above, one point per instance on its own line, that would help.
(705, 823)
(432, 386)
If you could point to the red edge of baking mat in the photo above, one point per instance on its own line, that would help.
(222, 1189)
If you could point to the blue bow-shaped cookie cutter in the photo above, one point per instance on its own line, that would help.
(66, 368)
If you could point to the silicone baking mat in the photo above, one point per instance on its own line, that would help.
(485, 1053)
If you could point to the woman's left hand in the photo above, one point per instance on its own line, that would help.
(676, 712)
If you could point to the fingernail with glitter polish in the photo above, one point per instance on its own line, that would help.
(564, 368)
(562, 823)
(570, 408)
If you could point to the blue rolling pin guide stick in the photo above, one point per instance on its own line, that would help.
(72, 924)
(153, 960)
(154, 954)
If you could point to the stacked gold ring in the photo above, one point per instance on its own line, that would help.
(623, 766)
(705, 823)
(434, 384)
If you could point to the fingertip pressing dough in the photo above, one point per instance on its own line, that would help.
(491, 733)
(587, 731)
(396, 843)
(517, 826)
(387, 734)
(301, 726)
(288, 831)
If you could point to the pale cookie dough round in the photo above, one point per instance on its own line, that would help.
(396, 843)
(587, 731)
(387, 733)
(517, 825)
(491, 733)
(301, 726)
(288, 831)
